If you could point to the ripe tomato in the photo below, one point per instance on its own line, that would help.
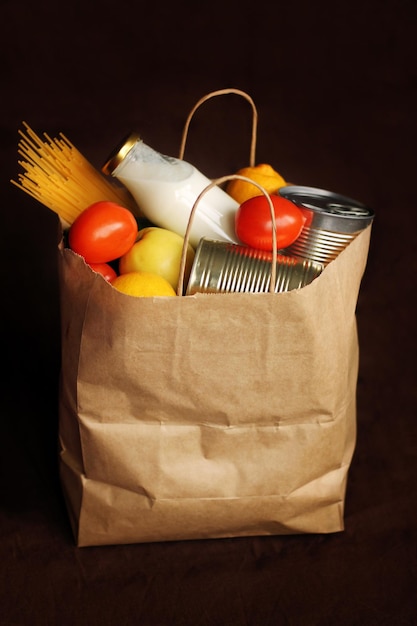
(103, 232)
(253, 222)
(105, 270)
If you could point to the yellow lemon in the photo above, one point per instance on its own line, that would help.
(263, 174)
(143, 284)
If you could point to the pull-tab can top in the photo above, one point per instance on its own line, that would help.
(120, 152)
(327, 210)
(332, 222)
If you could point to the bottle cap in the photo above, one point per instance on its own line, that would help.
(120, 152)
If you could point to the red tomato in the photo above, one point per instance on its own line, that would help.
(253, 222)
(105, 270)
(103, 232)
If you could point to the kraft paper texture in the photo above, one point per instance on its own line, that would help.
(213, 415)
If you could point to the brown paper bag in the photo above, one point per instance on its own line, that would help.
(208, 415)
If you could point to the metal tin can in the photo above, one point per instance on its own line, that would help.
(332, 222)
(221, 267)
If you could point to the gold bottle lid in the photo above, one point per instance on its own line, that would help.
(120, 152)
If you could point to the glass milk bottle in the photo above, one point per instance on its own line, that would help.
(165, 189)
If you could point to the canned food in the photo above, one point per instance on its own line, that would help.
(221, 267)
(332, 222)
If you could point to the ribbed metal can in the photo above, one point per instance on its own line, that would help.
(332, 222)
(221, 267)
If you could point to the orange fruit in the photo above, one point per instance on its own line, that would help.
(263, 174)
(143, 284)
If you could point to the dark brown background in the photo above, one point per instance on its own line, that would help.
(336, 90)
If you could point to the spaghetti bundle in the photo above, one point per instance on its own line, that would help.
(60, 177)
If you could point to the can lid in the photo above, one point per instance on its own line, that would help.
(120, 152)
(328, 210)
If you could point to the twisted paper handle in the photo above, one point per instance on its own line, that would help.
(221, 92)
(219, 181)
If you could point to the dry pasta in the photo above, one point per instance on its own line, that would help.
(60, 177)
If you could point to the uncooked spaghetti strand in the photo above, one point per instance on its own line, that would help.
(52, 197)
(63, 211)
(41, 163)
(59, 176)
(70, 198)
(39, 156)
(37, 149)
(97, 180)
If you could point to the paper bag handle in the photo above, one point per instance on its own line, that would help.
(220, 181)
(221, 92)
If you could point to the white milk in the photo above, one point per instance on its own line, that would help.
(166, 188)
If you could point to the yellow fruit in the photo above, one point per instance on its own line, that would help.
(143, 284)
(263, 174)
(158, 251)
